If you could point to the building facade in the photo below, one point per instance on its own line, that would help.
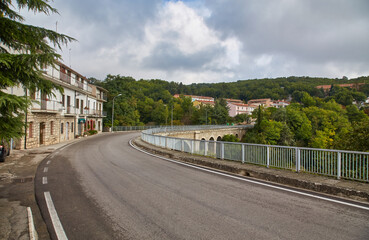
(235, 108)
(61, 116)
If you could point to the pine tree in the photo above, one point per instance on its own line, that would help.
(24, 49)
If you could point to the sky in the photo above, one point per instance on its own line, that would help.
(208, 41)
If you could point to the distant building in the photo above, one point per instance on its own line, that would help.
(265, 102)
(280, 103)
(349, 85)
(239, 108)
(198, 103)
(196, 98)
(230, 100)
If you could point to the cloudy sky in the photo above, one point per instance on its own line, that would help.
(213, 40)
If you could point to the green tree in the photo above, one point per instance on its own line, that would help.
(230, 138)
(160, 113)
(299, 124)
(24, 50)
(354, 114)
(357, 139)
(220, 114)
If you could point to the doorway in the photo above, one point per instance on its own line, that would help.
(42, 133)
(66, 131)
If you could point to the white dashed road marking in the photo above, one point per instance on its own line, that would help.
(44, 180)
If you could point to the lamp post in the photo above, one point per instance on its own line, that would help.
(112, 114)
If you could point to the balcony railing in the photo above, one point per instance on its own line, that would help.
(102, 96)
(46, 105)
(65, 77)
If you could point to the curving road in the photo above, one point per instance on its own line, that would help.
(104, 189)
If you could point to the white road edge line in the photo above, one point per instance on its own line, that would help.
(31, 225)
(44, 180)
(46, 169)
(251, 181)
(59, 231)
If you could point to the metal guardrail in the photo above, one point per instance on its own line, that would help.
(336, 163)
(157, 129)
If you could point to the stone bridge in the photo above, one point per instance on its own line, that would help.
(215, 134)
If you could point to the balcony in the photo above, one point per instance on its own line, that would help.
(102, 96)
(65, 78)
(46, 106)
(70, 110)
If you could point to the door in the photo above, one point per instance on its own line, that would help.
(43, 101)
(42, 133)
(66, 131)
(68, 104)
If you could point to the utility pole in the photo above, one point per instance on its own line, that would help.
(172, 118)
(112, 114)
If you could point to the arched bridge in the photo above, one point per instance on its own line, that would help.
(212, 134)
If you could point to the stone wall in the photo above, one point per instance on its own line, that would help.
(208, 134)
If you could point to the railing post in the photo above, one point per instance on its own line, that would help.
(297, 160)
(222, 150)
(243, 153)
(166, 142)
(206, 148)
(182, 145)
(268, 159)
(192, 146)
(339, 165)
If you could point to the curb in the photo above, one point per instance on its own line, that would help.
(244, 171)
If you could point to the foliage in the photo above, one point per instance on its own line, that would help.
(307, 125)
(316, 118)
(24, 50)
(230, 138)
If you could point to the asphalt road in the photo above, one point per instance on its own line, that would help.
(104, 189)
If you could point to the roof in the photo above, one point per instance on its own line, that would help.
(233, 100)
(71, 70)
(192, 96)
(260, 99)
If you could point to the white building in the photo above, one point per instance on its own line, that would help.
(63, 116)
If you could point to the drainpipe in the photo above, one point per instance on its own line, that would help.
(25, 123)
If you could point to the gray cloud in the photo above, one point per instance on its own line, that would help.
(214, 40)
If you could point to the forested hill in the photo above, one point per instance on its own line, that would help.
(277, 88)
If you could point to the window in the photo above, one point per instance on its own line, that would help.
(63, 100)
(77, 103)
(61, 128)
(32, 94)
(52, 128)
(71, 127)
(30, 130)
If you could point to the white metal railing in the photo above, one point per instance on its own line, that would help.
(337, 163)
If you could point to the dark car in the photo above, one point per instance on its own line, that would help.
(4, 150)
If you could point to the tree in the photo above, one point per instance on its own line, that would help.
(354, 114)
(220, 113)
(24, 50)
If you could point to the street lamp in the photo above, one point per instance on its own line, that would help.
(112, 114)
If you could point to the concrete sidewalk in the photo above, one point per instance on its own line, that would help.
(353, 190)
(17, 192)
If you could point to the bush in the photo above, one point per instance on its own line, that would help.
(92, 132)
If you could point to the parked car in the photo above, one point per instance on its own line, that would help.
(4, 150)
